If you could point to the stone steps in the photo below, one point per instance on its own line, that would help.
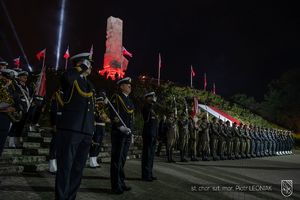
(34, 155)
(11, 169)
(20, 160)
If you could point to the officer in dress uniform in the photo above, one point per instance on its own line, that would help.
(75, 128)
(56, 105)
(120, 134)
(149, 136)
(101, 119)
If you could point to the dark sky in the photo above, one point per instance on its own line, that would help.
(241, 46)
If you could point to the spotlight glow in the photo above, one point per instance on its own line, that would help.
(60, 30)
(16, 35)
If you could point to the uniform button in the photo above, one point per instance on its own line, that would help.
(89, 102)
(88, 109)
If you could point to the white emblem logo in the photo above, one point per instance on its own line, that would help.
(286, 187)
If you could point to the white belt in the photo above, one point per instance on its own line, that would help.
(100, 124)
(59, 113)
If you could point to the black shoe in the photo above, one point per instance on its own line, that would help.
(194, 159)
(154, 178)
(183, 160)
(117, 191)
(126, 188)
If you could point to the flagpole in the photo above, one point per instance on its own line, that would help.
(191, 77)
(66, 64)
(159, 66)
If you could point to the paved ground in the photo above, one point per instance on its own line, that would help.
(176, 181)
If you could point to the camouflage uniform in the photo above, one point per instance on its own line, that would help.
(215, 135)
(236, 140)
(204, 134)
(183, 136)
(229, 140)
(193, 130)
(172, 135)
(222, 140)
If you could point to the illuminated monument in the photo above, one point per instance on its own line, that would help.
(115, 64)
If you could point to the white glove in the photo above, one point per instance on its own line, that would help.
(125, 130)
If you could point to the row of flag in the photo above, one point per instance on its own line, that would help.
(193, 74)
(42, 54)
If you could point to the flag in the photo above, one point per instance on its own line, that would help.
(205, 82)
(91, 52)
(192, 72)
(214, 88)
(126, 53)
(41, 54)
(67, 54)
(17, 62)
(195, 108)
(41, 84)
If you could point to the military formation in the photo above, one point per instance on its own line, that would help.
(79, 115)
(202, 139)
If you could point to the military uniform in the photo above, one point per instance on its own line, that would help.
(222, 140)
(204, 134)
(215, 135)
(193, 130)
(247, 139)
(75, 127)
(183, 136)
(149, 137)
(229, 140)
(120, 137)
(172, 135)
(101, 119)
(243, 142)
(8, 98)
(236, 140)
(55, 116)
(162, 135)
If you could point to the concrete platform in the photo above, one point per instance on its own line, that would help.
(176, 181)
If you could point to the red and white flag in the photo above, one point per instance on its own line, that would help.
(17, 62)
(67, 54)
(126, 53)
(41, 83)
(41, 54)
(205, 82)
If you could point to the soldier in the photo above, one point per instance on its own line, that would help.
(215, 136)
(204, 134)
(75, 127)
(193, 130)
(149, 136)
(8, 105)
(56, 105)
(257, 142)
(120, 134)
(162, 134)
(247, 141)
(291, 142)
(172, 135)
(101, 119)
(222, 140)
(25, 94)
(183, 136)
(253, 139)
(242, 138)
(229, 140)
(236, 140)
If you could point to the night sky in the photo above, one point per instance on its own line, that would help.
(241, 46)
